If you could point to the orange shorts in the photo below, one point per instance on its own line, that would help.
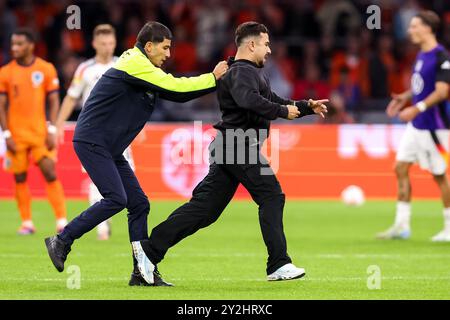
(19, 162)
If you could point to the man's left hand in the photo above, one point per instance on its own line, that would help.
(408, 113)
(318, 106)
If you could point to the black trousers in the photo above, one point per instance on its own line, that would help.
(120, 189)
(209, 199)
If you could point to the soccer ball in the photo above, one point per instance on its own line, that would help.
(353, 196)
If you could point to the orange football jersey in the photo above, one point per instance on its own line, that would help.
(27, 88)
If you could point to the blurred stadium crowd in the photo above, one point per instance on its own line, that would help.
(319, 48)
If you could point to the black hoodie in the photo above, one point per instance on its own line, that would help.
(247, 101)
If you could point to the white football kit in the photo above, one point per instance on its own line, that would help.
(418, 146)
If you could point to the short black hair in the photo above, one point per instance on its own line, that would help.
(27, 32)
(431, 19)
(248, 29)
(153, 32)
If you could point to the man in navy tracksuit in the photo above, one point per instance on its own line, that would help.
(116, 111)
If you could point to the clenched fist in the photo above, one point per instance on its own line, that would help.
(292, 112)
(220, 69)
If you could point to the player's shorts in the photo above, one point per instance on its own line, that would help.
(20, 161)
(428, 148)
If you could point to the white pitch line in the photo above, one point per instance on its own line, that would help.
(326, 279)
(234, 254)
(381, 255)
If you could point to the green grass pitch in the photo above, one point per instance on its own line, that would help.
(333, 242)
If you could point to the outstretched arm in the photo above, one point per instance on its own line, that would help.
(139, 71)
(245, 92)
(305, 107)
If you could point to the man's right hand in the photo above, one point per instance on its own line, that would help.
(397, 103)
(11, 145)
(292, 112)
(220, 69)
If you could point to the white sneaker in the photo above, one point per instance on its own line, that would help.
(443, 236)
(286, 272)
(395, 232)
(145, 266)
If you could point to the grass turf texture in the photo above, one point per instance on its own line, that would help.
(333, 242)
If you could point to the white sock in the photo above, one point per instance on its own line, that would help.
(403, 214)
(103, 227)
(61, 222)
(94, 194)
(447, 219)
(27, 224)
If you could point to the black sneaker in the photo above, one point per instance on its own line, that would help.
(159, 282)
(57, 251)
(138, 280)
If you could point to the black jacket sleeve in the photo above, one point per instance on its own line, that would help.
(302, 105)
(244, 90)
(277, 99)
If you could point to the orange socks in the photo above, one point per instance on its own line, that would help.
(23, 198)
(55, 194)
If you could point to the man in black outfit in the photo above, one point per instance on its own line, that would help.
(247, 104)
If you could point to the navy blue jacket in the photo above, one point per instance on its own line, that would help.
(123, 99)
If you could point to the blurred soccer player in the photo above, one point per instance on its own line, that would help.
(26, 83)
(85, 78)
(117, 109)
(426, 139)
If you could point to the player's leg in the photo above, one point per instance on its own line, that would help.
(444, 187)
(137, 205)
(23, 199)
(209, 199)
(54, 189)
(94, 196)
(104, 228)
(128, 154)
(408, 153)
(18, 165)
(263, 186)
(438, 158)
(103, 171)
(401, 229)
(403, 213)
(138, 208)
